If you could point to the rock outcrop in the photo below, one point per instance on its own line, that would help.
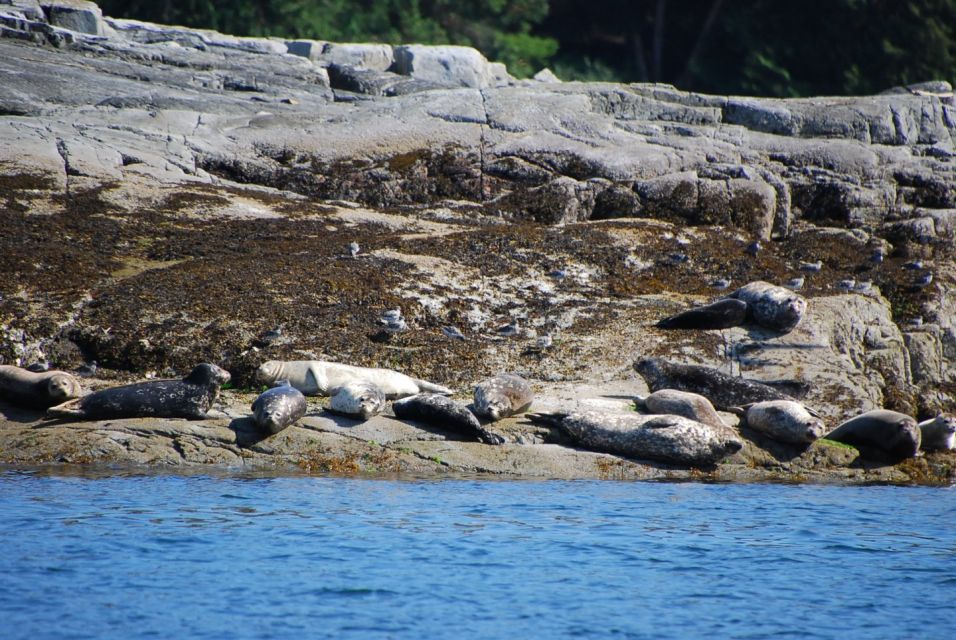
(170, 195)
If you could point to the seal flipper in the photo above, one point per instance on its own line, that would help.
(554, 419)
(69, 409)
(430, 387)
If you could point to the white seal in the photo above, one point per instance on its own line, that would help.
(320, 378)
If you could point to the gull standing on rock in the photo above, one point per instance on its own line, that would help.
(354, 249)
(846, 285)
(720, 283)
(795, 284)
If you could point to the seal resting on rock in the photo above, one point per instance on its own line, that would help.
(664, 438)
(771, 306)
(189, 398)
(37, 389)
(717, 315)
(445, 413)
(501, 396)
(681, 403)
(320, 378)
(722, 390)
(938, 434)
(783, 421)
(358, 399)
(880, 433)
(278, 407)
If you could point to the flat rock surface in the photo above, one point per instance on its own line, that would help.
(171, 196)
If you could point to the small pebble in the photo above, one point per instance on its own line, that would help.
(453, 333)
(811, 267)
(924, 280)
(508, 330)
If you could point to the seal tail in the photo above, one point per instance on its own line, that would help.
(69, 409)
(431, 387)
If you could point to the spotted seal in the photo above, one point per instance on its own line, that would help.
(664, 438)
(783, 421)
(320, 378)
(681, 403)
(37, 389)
(722, 390)
(938, 434)
(880, 433)
(278, 407)
(445, 413)
(503, 395)
(770, 306)
(190, 397)
(358, 399)
(722, 314)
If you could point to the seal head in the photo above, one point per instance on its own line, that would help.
(784, 421)
(278, 407)
(938, 434)
(357, 398)
(37, 389)
(506, 394)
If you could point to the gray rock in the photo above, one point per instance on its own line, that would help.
(447, 65)
(377, 57)
(75, 15)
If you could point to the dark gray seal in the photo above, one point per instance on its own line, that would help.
(681, 403)
(38, 390)
(501, 396)
(441, 411)
(783, 421)
(938, 434)
(770, 306)
(189, 398)
(722, 390)
(664, 438)
(278, 407)
(718, 315)
(880, 434)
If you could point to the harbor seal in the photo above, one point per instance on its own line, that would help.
(664, 438)
(278, 407)
(682, 403)
(189, 398)
(357, 399)
(880, 433)
(38, 390)
(783, 421)
(938, 434)
(320, 378)
(771, 306)
(722, 314)
(501, 396)
(722, 390)
(445, 413)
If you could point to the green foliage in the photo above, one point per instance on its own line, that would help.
(760, 47)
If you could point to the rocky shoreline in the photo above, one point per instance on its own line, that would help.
(171, 196)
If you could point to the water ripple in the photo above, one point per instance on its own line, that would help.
(139, 556)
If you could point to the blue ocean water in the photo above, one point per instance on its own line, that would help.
(172, 556)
